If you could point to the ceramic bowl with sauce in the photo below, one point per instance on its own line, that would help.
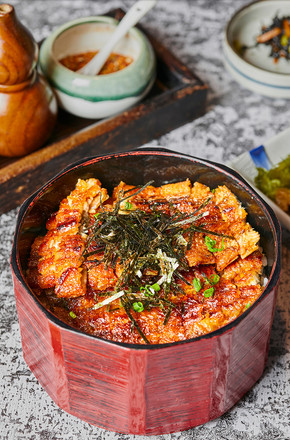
(138, 388)
(105, 94)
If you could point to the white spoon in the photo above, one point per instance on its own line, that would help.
(135, 13)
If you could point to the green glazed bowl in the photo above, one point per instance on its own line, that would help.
(102, 95)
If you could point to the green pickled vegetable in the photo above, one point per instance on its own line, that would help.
(277, 177)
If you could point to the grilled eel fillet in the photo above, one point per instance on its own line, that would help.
(57, 270)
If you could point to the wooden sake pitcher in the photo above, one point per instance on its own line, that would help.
(28, 106)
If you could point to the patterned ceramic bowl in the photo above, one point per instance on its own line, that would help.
(102, 95)
(254, 68)
(141, 389)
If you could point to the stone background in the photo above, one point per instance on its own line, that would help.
(236, 120)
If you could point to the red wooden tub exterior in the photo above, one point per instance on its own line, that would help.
(139, 389)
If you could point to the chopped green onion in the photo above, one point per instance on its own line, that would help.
(196, 284)
(150, 290)
(146, 290)
(208, 292)
(138, 306)
(214, 279)
(72, 315)
(210, 243)
(247, 306)
(128, 205)
(97, 215)
(156, 287)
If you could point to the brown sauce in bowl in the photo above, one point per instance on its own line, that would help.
(114, 63)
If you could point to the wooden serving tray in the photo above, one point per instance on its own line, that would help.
(177, 97)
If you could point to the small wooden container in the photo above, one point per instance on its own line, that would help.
(27, 104)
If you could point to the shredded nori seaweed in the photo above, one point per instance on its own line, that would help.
(141, 240)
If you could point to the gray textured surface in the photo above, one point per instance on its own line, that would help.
(236, 120)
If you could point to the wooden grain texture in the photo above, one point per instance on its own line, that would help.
(177, 97)
(17, 49)
(144, 391)
(249, 350)
(28, 106)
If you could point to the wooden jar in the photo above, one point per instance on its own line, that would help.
(28, 106)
